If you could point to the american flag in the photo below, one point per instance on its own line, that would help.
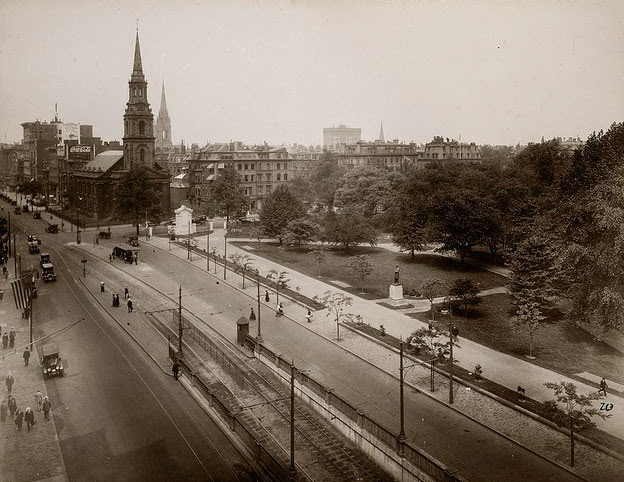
(22, 289)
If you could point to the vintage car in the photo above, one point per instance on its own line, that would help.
(134, 241)
(33, 247)
(51, 363)
(124, 254)
(104, 234)
(52, 228)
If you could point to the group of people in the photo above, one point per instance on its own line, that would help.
(279, 309)
(10, 410)
(129, 303)
(8, 339)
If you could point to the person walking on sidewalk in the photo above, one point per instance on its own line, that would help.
(12, 405)
(126, 293)
(309, 316)
(5, 272)
(39, 399)
(113, 300)
(603, 386)
(29, 418)
(266, 296)
(175, 369)
(9, 382)
(19, 419)
(12, 338)
(102, 287)
(117, 301)
(47, 406)
(252, 315)
(5, 340)
(26, 356)
(129, 305)
(3, 410)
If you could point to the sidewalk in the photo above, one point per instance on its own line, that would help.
(35, 455)
(503, 369)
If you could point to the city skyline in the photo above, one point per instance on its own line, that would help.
(280, 72)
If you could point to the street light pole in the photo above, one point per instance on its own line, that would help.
(214, 258)
(293, 470)
(402, 432)
(207, 246)
(225, 257)
(180, 322)
(259, 337)
(453, 332)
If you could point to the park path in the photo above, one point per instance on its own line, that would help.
(501, 368)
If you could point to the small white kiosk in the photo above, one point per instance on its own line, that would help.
(184, 221)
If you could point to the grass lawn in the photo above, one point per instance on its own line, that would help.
(413, 272)
(559, 345)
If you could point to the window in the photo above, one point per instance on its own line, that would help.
(140, 92)
(268, 176)
(239, 167)
(278, 166)
(268, 189)
(252, 178)
(141, 128)
(246, 167)
(246, 178)
(285, 177)
(279, 177)
(253, 166)
(259, 189)
(142, 155)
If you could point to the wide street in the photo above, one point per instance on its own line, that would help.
(118, 415)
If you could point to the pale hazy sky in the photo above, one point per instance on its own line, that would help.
(496, 71)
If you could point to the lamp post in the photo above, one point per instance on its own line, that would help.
(180, 329)
(214, 258)
(84, 267)
(259, 337)
(402, 431)
(207, 246)
(78, 221)
(453, 332)
(225, 257)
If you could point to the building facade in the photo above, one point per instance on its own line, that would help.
(335, 136)
(444, 149)
(390, 155)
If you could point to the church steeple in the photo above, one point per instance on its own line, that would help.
(381, 133)
(138, 139)
(163, 124)
(163, 102)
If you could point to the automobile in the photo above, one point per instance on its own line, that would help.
(104, 234)
(51, 362)
(33, 247)
(134, 241)
(17, 210)
(52, 228)
(44, 258)
(37, 215)
(124, 254)
(199, 219)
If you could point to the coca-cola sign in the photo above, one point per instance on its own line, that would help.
(80, 151)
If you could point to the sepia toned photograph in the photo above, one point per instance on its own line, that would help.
(312, 241)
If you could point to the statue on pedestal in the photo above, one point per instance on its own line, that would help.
(396, 275)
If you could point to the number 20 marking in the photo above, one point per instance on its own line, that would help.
(606, 406)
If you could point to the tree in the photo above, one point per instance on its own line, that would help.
(242, 263)
(299, 231)
(347, 228)
(577, 408)
(320, 256)
(361, 266)
(226, 197)
(531, 286)
(430, 289)
(280, 280)
(336, 304)
(135, 196)
(278, 209)
(464, 292)
(459, 220)
(324, 178)
(367, 187)
(432, 341)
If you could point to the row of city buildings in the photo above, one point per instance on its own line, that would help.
(77, 169)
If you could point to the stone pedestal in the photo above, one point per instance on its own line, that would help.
(396, 292)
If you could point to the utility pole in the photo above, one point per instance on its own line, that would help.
(180, 322)
(10, 235)
(225, 257)
(207, 246)
(402, 432)
(214, 258)
(293, 470)
(188, 242)
(30, 317)
(15, 254)
(259, 337)
(453, 332)
(77, 225)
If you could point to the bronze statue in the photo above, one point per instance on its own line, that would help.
(396, 275)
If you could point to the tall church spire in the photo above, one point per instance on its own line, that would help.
(381, 134)
(163, 124)
(163, 102)
(137, 68)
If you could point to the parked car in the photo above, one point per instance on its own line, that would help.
(51, 363)
(104, 234)
(134, 241)
(52, 228)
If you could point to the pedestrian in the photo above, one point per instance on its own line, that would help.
(12, 405)
(101, 287)
(309, 316)
(113, 300)
(117, 300)
(9, 382)
(26, 356)
(266, 296)
(252, 315)
(129, 305)
(603, 386)
(47, 406)
(5, 340)
(136, 259)
(3, 410)
(12, 338)
(279, 311)
(110, 258)
(126, 293)
(19, 419)
(29, 418)
(175, 369)
(39, 399)
(5, 272)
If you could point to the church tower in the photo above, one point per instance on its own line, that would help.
(163, 124)
(138, 139)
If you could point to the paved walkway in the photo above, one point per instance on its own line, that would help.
(501, 368)
(25, 456)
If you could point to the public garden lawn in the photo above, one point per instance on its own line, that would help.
(560, 345)
(413, 272)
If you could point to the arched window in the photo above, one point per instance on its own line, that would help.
(142, 155)
(140, 92)
(141, 128)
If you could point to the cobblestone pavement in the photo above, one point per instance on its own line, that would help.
(25, 456)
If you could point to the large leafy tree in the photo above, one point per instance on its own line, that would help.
(226, 197)
(299, 231)
(279, 209)
(463, 292)
(366, 187)
(348, 228)
(531, 288)
(361, 266)
(135, 196)
(324, 178)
